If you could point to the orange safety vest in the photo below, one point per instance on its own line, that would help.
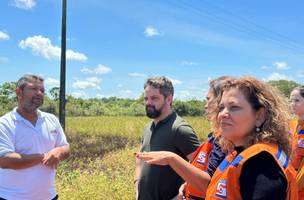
(225, 181)
(297, 131)
(200, 161)
(298, 136)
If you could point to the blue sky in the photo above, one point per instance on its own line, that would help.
(114, 45)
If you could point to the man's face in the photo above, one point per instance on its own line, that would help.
(30, 98)
(154, 102)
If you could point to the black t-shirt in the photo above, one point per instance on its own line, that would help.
(262, 179)
(171, 134)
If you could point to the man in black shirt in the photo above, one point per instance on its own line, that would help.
(166, 132)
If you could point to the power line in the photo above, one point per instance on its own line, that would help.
(275, 34)
(243, 28)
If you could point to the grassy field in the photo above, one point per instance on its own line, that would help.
(102, 161)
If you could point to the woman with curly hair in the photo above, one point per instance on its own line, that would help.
(253, 118)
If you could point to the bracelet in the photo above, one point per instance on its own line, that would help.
(135, 181)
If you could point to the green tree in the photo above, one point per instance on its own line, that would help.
(284, 86)
(54, 92)
(189, 108)
(7, 90)
(50, 106)
(7, 97)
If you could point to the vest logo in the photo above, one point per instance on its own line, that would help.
(221, 189)
(201, 158)
(301, 143)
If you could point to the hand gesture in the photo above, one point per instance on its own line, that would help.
(155, 157)
(51, 158)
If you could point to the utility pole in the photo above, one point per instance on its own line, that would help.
(62, 66)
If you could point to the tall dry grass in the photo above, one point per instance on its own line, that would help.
(102, 161)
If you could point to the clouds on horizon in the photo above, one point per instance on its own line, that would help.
(135, 74)
(88, 83)
(79, 94)
(128, 94)
(4, 36)
(42, 46)
(281, 65)
(51, 82)
(275, 76)
(175, 81)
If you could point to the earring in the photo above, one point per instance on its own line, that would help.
(257, 129)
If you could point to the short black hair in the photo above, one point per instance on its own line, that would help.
(162, 83)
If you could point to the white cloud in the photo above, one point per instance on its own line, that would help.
(126, 91)
(79, 94)
(98, 95)
(189, 63)
(4, 36)
(51, 82)
(25, 4)
(42, 46)
(86, 70)
(94, 80)
(281, 65)
(175, 81)
(276, 76)
(91, 82)
(119, 85)
(84, 84)
(150, 31)
(100, 69)
(188, 93)
(184, 94)
(137, 75)
(72, 55)
(128, 94)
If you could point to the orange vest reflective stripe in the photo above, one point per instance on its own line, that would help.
(225, 181)
(200, 161)
(297, 131)
(298, 136)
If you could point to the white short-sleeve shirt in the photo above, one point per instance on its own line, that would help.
(19, 135)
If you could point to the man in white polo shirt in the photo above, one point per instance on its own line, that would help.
(32, 143)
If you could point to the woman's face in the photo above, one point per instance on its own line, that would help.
(297, 103)
(236, 118)
(209, 98)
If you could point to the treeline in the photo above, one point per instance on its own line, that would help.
(113, 106)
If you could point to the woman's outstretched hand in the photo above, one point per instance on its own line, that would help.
(155, 157)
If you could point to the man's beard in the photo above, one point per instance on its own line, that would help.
(152, 112)
(33, 105)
